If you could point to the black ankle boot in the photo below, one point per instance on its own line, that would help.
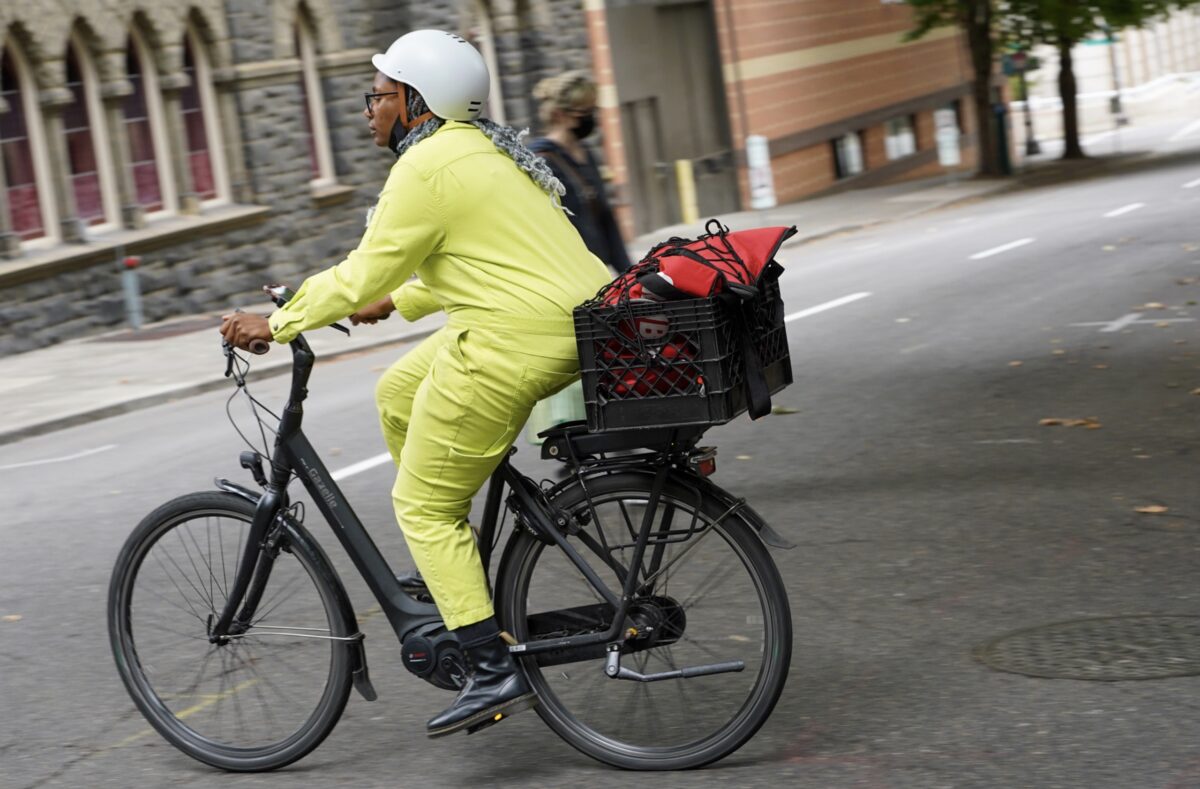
(495, 689)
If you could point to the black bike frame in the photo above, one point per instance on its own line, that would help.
(294, 454)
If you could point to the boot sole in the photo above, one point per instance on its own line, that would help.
(487, 717)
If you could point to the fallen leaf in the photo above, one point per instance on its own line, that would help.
(1151, 509)
(1185, 281)
(1142, 457)
(1090, 423)
(1058, 352)
(902, 320)
(744, 457)
(1015, 363)
(1153, 305)
(11, 618)
(1162, 325)
(1109, 247)
(1099, 366)
(784, 410)
(1181, 342)
(1190, 247)
(1195, 392)
(335, 451)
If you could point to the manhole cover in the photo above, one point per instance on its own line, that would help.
(1109, 649)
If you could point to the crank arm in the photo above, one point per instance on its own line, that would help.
(614, 669)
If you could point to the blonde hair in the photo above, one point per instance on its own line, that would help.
(563, 91)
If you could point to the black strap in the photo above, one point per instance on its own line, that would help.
(758, 394)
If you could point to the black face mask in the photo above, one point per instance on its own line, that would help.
(584, 126)
(397, 136)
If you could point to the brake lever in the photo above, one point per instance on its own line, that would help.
(282, 294)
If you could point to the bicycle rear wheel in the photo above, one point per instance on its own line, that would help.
(259, 700)
(717, 598)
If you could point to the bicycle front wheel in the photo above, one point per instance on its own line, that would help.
(709, 594)
(258, 700)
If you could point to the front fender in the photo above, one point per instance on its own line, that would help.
(300, 536)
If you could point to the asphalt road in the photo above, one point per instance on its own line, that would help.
(931, 510)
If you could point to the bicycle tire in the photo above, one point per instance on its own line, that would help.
(577, 719)
(176, 713)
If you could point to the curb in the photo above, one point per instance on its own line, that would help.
(166, 395)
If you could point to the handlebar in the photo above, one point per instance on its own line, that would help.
(281, 295)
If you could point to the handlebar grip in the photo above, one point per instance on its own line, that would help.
(259, 347)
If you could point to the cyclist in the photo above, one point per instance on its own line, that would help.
(477, 218)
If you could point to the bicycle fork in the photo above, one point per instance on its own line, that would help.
(253, 570)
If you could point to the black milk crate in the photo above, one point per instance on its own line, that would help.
(674, 363)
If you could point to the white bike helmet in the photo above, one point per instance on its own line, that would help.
(444, 68)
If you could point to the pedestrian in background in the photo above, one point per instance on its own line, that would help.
(567, 110)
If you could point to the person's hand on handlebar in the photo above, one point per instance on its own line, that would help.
(374, 312)
(247, 331)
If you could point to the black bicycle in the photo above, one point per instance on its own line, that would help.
(640, 597)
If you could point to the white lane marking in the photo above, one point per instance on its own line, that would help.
(1131, 319)
(1186, 131)
(1192, 184)
(826, 306)
(987, 253)
(65, 458)
(361, 466)
(1125, 209)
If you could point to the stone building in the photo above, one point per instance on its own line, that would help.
(220, 141)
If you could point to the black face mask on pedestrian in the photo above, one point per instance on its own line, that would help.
(584, 126)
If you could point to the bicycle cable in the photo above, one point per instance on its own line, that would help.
(241, 367)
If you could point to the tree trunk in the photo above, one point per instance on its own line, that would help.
(978, 23)
(1067, 89)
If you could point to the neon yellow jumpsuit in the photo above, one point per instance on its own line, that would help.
(489, 247)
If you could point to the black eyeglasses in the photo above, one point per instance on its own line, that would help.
(373, 99)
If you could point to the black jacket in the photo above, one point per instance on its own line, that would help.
(585, 199)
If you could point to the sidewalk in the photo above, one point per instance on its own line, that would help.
(91, 378)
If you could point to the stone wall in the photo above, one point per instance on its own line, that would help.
(279, 227)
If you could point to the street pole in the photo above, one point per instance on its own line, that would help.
(1115, 107)
(1031, 144)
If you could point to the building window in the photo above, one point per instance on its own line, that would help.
(199, 123)
(87, 143)
(320, 157)
(152, 183)
(901, 140)
(848, 155)
(20, 170)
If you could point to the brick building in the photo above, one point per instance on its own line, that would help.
(842, 99)
(222, 141)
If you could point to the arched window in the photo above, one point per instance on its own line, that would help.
(320, 156)
(201, 129)
(153, 186)
(28, 207)
(87, 149)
